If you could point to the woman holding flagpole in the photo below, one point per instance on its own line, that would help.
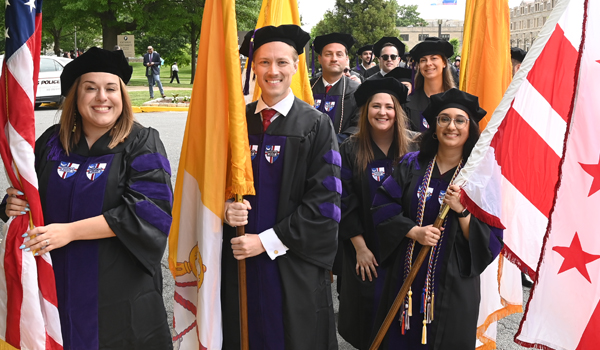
(433, 76)
(367, 160)
(442, 305)
(105, 189)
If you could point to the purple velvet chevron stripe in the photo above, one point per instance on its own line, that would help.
(330, 210)
(384, 213)
(333, 157)
(154, 215)
(410, 158)
(496, 240)
(346, 174)
(56, 149)
(392, 187)
(332, 183)
(153, 190)
(151, 161)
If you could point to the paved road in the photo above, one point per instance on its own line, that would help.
(171, 126)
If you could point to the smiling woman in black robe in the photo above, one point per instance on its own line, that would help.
(105, 189)
(442, 306)
(367, 160)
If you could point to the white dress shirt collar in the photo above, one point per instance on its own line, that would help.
(282, 107)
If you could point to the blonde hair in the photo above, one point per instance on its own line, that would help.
(364, 153)
(71, 125)
(447, 78)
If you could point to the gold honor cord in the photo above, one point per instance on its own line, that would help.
(391, 315)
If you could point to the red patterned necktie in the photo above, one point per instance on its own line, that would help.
(327, 88)
(267, 114)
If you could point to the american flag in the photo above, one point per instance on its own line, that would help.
(29, 316)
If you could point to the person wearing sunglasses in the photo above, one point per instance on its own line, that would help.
(433, 76)
(442, 305)
(388, 50)
(333, 91)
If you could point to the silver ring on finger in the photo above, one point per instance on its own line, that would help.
(47, 242)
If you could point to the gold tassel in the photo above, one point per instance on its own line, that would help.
(74, 126)
(410, 302)
(424, 337)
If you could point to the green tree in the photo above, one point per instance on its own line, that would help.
(456, 45)
(367, 20)
(409, 16)
(246, 13)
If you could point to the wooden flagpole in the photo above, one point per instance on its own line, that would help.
(243, 294)
(387, 322)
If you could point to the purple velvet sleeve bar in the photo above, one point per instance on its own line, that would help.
(151, 161)
(333, 157)
(153, 190)
(333, 184)
(154, 215)
(331, 210)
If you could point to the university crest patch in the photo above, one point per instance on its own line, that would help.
(253, 151)
(95, 170)
(329, 106)
(441, 196)
(272, 153)
(428, 194)
(425, 123)
(317, 104)
(378, 173)
(66, 170)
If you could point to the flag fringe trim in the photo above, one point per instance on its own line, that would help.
(497, 315)
(559, 182)
(6, 346)
(514, 258)
(244, 189)
(479, 213)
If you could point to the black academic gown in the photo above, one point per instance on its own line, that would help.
(376, 75)
(371, 71)
(459, 265)
(109, 290)
(415, 107)
(331, 104)
(296, 167)
(359, 302)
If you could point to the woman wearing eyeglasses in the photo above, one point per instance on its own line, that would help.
(442, 305)
(433, 76)
(368, 158)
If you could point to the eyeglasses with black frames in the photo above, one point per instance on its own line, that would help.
(387, 57)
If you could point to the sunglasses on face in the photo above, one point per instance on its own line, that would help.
(387, 57)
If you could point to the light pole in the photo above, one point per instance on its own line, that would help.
(439, 28)
(75, 41)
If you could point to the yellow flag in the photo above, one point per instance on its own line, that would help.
(276, 13)
(215, 161)
(485, 61)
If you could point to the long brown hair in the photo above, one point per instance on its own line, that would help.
(447, 78)
(364, 153)
(71, 126)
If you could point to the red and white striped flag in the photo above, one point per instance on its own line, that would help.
(512, 173)
(511, 176)
(28, 305)
(563, 311)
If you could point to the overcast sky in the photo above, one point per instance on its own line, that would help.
(312, 10)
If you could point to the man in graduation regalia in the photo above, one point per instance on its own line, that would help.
(366, 61)
(333, 91)
(292, 221)
(388, 50)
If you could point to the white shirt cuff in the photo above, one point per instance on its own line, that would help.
(273, 245)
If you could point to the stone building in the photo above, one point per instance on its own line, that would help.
(450, 29)
(527, 19)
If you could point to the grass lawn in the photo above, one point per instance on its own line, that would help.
(138, 78)
(139, 97)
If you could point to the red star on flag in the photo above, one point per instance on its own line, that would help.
(594, 171)
(575, 257)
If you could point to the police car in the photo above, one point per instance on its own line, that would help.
(48, 89)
